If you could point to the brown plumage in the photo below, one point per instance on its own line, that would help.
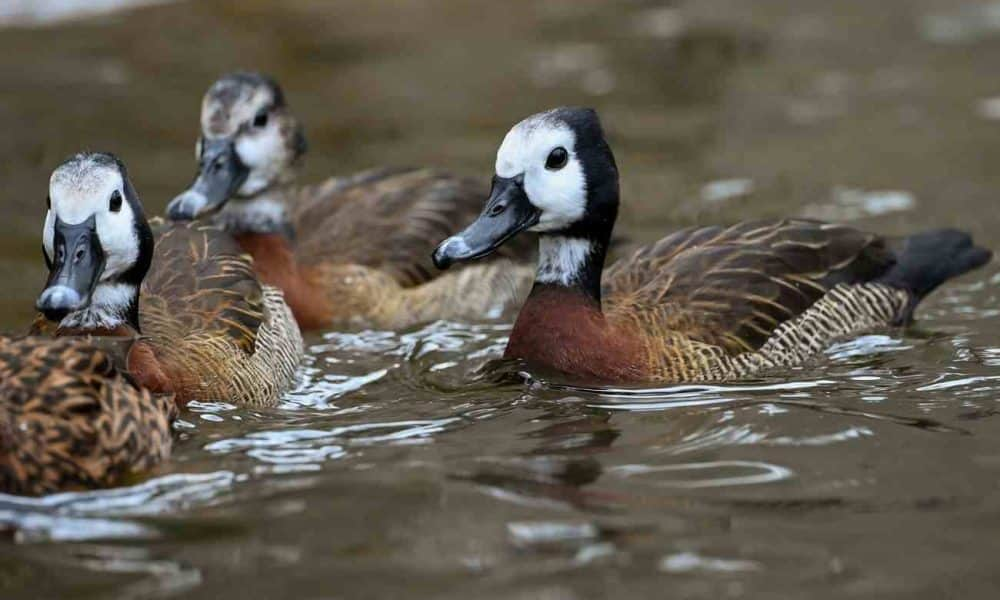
(715, 304)
(683, 308)
(732, 286)
(364, 244)
(351, 249)
(387, 219)
(702, 304)
(69, 420)
(217, 332)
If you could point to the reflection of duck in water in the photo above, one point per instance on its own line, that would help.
(354, 248)
(703, 304)
(559, 468)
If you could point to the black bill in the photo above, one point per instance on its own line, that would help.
(507, 213)
(220, 174)
(74, 270)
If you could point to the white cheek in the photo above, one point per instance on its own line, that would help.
(263, 154)
(260, 148)
(119, 240)
(561, 195)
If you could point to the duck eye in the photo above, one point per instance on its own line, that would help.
(115, 204)
(557, 159)
(48, 202)
(261, 119)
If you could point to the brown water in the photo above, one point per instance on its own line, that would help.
(392, 471)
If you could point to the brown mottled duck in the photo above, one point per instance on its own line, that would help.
(71, 420)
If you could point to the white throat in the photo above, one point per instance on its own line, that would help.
(109, 306)
(265, 213)
(561, 259)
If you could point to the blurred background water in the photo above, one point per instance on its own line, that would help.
(394, 470)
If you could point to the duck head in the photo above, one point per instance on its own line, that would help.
(249, 143)
(97, 245)
(555, 175)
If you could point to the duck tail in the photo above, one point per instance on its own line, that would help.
(927, 259)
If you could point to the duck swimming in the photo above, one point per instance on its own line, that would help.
(207, 329)
(702, 304)
(351, 249)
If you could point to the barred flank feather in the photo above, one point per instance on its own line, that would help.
(844, 311)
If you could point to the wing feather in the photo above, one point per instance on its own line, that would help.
(733, 286)
(389, 219)
(201, 284)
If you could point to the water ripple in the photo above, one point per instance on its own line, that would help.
(757, 473)
(297, 445)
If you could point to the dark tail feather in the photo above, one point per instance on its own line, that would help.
(927, 259)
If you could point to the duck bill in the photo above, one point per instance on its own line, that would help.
(220, 174)
(507, 213)
(74, 270)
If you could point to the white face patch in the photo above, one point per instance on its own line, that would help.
(264, 152)
(82, 188)
(560, 194)
(561, 259)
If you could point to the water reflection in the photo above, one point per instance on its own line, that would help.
(707, 474)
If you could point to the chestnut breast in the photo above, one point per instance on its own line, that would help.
(275, 264)
(561, 328)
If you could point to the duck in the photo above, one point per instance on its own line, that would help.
(350, 250)
(704, 304)
(205, 327)
(71, 419)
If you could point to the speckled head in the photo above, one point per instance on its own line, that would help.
(97, 244)
(249, 143)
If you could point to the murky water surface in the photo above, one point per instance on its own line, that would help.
(397, 469)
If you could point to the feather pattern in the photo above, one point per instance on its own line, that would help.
(361, 252)
(69, 419)
(733, 286)
(217, 332)
(387, 219)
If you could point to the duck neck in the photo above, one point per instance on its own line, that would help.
(113, 310)
(572, 262)
(262, 213)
